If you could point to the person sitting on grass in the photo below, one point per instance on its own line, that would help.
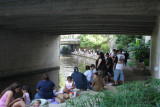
(7, 97)
(89, 76)
(27, 95)
(97, 83)
(78, 78)
(69, 86)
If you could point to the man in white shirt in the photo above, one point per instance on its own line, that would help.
(93, 68)
(118, 67)
(89, 76)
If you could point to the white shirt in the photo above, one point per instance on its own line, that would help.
(121, 57)
(27, 99)
(89, 75)
(94, 71)
(69, 85)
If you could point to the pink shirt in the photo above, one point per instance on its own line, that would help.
(3, 100)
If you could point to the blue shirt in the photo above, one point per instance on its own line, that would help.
(79, 79)
(45, 89)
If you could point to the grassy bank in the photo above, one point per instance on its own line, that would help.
(131, 94)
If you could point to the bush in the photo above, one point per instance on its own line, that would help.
(131, 64)
(105, 48)
(131, 94)
(65, 48)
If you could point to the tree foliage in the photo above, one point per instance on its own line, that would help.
(123, 40)
(140, 50)
(95, 41)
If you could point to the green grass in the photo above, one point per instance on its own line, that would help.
(131, 64)
(82, 67)
(131, 94)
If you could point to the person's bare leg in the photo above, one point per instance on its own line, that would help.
(19, 104)
(65, 90)
(122, 82)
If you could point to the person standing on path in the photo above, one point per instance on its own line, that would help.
(126, 58)
(118, 68)
(101, 65)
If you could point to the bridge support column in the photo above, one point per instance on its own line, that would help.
(155, 51)
(26, 52)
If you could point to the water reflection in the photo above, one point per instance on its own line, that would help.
(67, 63)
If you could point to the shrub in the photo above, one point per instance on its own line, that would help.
(131, 94)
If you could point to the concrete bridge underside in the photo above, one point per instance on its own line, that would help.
(30, 29)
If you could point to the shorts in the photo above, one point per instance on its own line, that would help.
(118, 73)
(101, 73)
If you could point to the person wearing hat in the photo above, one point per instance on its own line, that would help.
(78, 78)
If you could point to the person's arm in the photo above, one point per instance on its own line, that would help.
(114, 65)
(66, 87)
(16, 100)
(9, 98)
(9, 95)
(99, 62)
(24, 96)
(73, 86)
(119, 62)
(38, 86)
(53, 85)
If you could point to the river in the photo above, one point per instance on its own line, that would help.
(67, 64)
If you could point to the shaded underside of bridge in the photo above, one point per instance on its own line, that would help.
(30, 29)
(79, 16)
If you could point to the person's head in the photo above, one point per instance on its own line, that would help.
(120, 51)
(101, 54)
(96, 75)
(14, 87)
(87, 67)
(26, 89)
(37, 103)
(76, 69)
(93, 66)
(114, 50)
(45, 77)
(107, 55)
(69, 78)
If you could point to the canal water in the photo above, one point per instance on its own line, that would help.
(59, 76)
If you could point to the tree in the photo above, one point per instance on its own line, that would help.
(123, 40)
(95, 41)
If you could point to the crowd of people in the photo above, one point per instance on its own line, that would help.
(44, 91)
(94, 78)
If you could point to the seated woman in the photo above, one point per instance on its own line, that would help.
(7, 97)
(97, 83)
(69, 86)
(45, 88)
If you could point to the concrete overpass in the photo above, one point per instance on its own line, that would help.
(30, 29)
(72, 43)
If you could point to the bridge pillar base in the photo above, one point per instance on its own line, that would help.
(155, 51)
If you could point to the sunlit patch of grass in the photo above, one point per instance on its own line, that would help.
(82, 67)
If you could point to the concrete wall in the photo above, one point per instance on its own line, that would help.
(27, 52)
(155, 51)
